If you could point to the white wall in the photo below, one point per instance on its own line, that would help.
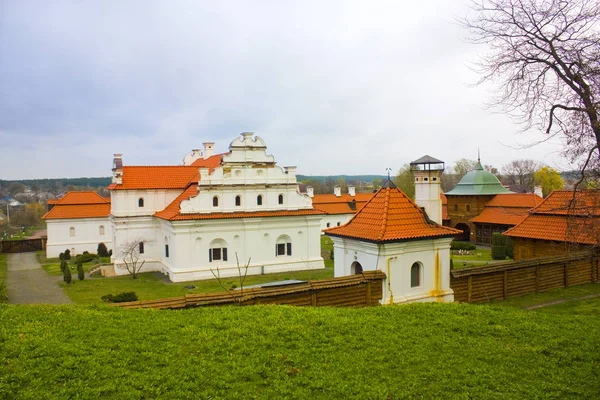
(124, 203)
(334, 219)
(400, 257)
(86, 238)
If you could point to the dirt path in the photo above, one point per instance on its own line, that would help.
(28, 283)
(553, 303)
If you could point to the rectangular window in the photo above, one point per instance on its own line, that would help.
(289, 249)
(142, 248)
(166, 250)
(281, 249)
(217, 254)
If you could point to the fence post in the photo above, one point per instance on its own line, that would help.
(505, 284)
(368, 293)
(469, 287)
(566, 274)
(313, 298)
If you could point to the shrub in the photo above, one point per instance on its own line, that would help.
(120, 298)
(80, 274)
(509, 247)
(61, 256)
(331, 254)
(110, 253)
(85, 257)
(498, 239)
(102, 250)
(498, 252)
(462, 245)
(63, 266)
(67, 255)
(67, 274)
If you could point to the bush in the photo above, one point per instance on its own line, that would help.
(85, 257)
(80, 274)
(498, 239)
(120, 298)
(331, 254)
(102, 250)
(110, 253)
(67, 255)
(63, 266)
(498, 252)
(462, 245)
(67, 274)
(509, 247)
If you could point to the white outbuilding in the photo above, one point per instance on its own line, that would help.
(393, 234)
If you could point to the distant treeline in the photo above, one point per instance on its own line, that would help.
(346, 178)
(92, 182)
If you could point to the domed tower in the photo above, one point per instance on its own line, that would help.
(428, 175)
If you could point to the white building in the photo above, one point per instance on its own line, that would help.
(79, 221)
(194, 219)
(338, 208)
(391, 233)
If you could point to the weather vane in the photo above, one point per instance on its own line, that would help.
(388, 172)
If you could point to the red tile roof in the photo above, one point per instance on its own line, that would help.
(172, 212)
(563, 217)
(332, 204)
(525, 200)
(164, 177)
(508, 209)
(390, 216)
(445, 216)
(79, 205)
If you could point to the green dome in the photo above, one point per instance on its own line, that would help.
(478, 182)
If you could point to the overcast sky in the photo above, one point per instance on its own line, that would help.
(348, 87)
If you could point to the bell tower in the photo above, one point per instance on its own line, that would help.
(428, 179)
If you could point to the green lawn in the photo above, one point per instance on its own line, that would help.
(412, 351)
(479, 257)
(52, 265)
(3, 269)
(572, 305)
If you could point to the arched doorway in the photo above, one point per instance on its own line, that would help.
(465, 236)
(356, 268)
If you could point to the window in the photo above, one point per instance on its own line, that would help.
(101, 229)
(141, 202)
(280, 199)
(415, 275)
(238, 201)
(217, 250)
(259, 200)
(71, 231)
(215, 201)
(328, 224)
(468, 207)
(141, 247)
(339, 223)
(167, 250)
(283, 246)
(456, 207)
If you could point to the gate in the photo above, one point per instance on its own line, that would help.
(22, 246)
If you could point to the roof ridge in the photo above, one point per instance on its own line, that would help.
(386, 206)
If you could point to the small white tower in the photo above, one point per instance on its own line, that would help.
(428, 176)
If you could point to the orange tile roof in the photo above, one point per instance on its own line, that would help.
(525, 200)
(331, 204)
(172, 211)
(558, 218)
(164, 177)
(79, 205)
(501, 215)
(390, 215)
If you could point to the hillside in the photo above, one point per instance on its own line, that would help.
(422, 350)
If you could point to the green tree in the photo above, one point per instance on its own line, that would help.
(80, 274)
(549, 179)
(67, 274)
(405, 180)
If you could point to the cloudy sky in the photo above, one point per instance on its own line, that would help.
(334, 87)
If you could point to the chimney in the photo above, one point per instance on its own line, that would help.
(291, 171)
(209, 149)
(538, 190)
(351, 191)
(337, 190)
(310, 191)
(117, 168)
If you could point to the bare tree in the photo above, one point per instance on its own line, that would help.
(462, 166)
(521, 172)
(131, 252)
(237, 296)
(545, 57)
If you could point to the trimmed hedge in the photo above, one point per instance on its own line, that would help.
(498, 252)
(120, 298)
(462, 245)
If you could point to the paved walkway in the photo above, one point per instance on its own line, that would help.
(28, 283)
(553, 303)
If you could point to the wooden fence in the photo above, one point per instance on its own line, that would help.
(517, 278)
(364, 289)
(22, 246)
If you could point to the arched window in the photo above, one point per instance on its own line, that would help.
(329, 224)
(101, 229)
(141, 202)
(215, 201)
(217, 250)
(283, 246)
(238, 200)
(141, 247)
(280, 199)
(415, 275)
(339, 223)
(259, 200)
(356, 268)
(71, 231)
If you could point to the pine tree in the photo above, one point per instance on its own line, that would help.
(67, 275)
(80, 274)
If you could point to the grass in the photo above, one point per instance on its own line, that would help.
(52, 265)
(571, 295)
(3, 271)
(419, 350)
